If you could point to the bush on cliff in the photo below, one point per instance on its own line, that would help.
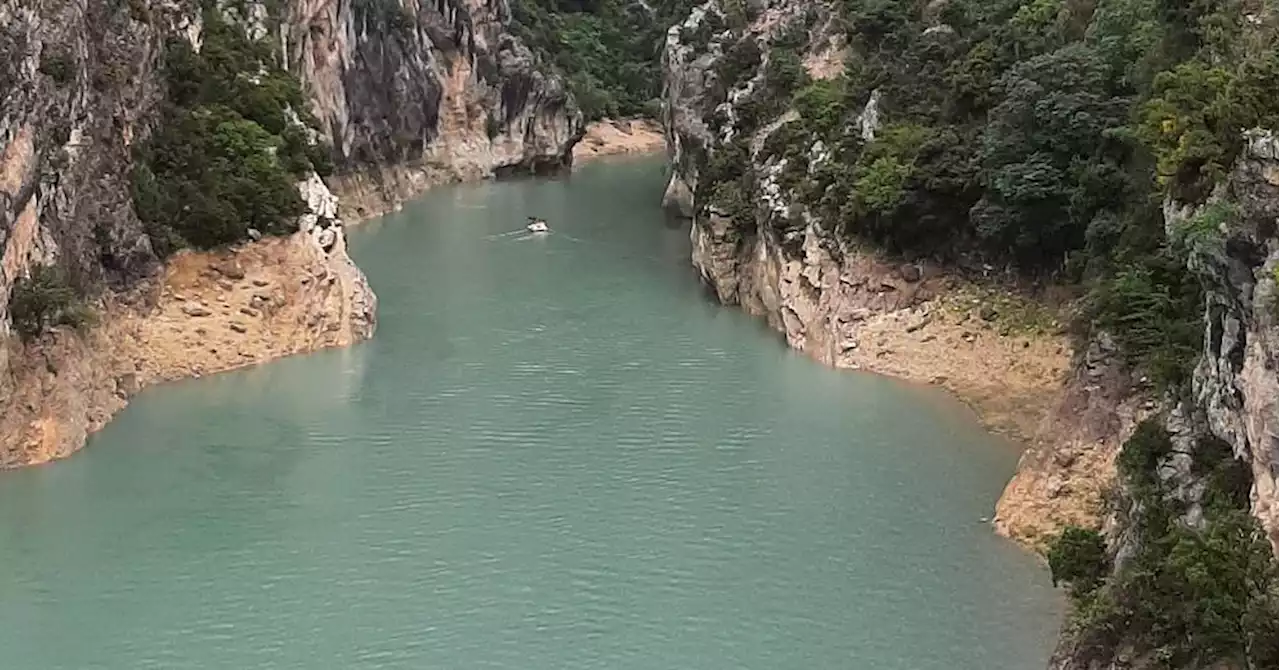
(44, 300)
(1078, 556)
(207, 176)
(1050, 134)
(820, 105)
(1152, 307)
(57, 66)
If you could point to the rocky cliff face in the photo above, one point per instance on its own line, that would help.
(1234, 384)
(410, 94)
(422, 92)
(79, 86)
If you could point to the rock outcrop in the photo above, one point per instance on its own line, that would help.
(206, 313)
(1234, 384)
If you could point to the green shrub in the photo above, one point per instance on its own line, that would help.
(788, 139)
(652, 109)
(1194, 596)
(1078, 556)
(1227, 478)
(595, 101)
(794, 36)
(1154, 311)
(885, 165)
(880, 184)
(1188, 598)
(821, 105)
(736, 13)
(1195, 116)
(1206, 227)
(875, 21)
(608, 48)
(57, 66)
(727, 165)
(1175, 122)
(1142, 453)
(43, 300)
(784, 73)
(731, 198)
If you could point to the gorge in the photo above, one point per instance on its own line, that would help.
(1062, 211)
(561, 455)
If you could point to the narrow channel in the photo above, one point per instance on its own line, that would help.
(556, 453)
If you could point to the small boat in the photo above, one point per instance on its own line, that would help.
(537, 226)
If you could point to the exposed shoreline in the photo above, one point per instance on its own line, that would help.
(1000, 348)
(207, 312)
(621, 137)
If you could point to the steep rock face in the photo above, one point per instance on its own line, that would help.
(422, 92)
(79, 84)
(1234, 383)
(783, 262)
(758, 245)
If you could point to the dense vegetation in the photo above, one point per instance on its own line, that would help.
(608, 49)
(1042, 133)
(1185, 598)
(232, 141)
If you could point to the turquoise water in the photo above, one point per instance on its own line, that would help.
(555, 454)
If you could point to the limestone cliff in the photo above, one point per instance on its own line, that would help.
(417, 93)
(1234, 383)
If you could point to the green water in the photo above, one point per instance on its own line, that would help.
(556, 454)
